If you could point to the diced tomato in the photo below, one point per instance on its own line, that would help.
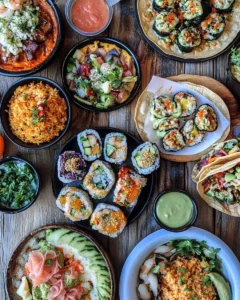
(84, 70)
(41, 113)
(127, 73)
(90, 92)
(218, 175)
(100, 60)
(206, 187)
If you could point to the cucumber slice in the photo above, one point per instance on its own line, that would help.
(104, 291)
(67, 238)
(88, 253)
(110, 149)
(104, 273)
(53, 236)
(98, 268)
(80, 239)
(100, 262)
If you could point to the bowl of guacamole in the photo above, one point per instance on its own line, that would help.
(234, 63)
(19, 185)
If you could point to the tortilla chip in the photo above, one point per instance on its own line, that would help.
(206, 49)
(230, 209)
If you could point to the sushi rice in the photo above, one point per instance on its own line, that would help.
(115, 148)
(108, 220)
(146, 158)
(90, 144)
(75, 203)
(99, 179)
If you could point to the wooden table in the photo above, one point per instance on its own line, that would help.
(171, 175)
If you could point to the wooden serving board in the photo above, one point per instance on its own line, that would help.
(225, 95)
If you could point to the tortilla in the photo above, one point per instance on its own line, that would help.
(196, 175)
(205, 49)
(230, 209)
(143, 105)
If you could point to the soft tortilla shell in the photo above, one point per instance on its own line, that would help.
(143, 106)
(205, 50)
(196, 175)
(230, 209)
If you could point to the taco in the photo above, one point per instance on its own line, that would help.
(219, 154)
(220, 188)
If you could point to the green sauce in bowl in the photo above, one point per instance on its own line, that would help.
(175, 210)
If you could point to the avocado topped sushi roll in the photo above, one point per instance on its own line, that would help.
(213, 26)
(188, 103)
(164, 125)
(90, 144)
(128, 187)
(159, 5)
(71, 167)
(223, 5)
(205, 118)
(173, 141)
(191, 10)
(188, 38)
(164, 106)
(191, 135)
(75, 203)
(165, 22)
(146, 158)
(108, 220)
(99, 179)
(115, 148)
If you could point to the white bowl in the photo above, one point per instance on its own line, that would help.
(129, 276)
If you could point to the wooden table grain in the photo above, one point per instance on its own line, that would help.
(171, 175)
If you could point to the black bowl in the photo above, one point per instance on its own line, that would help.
(184, 227)
(110, 41)
(46, 62)
(4, 114)
(8, 210)
(229, 65)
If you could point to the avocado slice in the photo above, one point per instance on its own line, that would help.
(152, 150)
(86, 144)
(221, 285)
(110, 149)
(139, 160)
(237, 168)
(88, 151)
(177, 110)
(229, 177)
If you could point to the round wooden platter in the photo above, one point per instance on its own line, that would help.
(222, 97)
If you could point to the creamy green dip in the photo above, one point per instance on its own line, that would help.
(174, 209)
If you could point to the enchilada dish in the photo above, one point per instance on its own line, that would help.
(28, 34)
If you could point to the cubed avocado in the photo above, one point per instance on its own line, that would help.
(152, 150)
(237, 168)
(210, 193)
(219, 196)
(177, 110)
(229, 177)
(88, 151)
(110, 149)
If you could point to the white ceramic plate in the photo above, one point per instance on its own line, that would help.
(129, 276)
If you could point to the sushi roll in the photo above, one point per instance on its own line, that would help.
(188, 38)
(90, 144)
(75, 203)
(108, 220)
(159, 5)
(115, 148)
(206, 118)
(223, 6)
(173, 141)
(146, 158)
(164, 125)
(99, 179)
(188, 103)
(165, 22)
(164, 106)
(191, 10)
(128, 187)
(213, 26)
(71, 167)
(191, 135)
